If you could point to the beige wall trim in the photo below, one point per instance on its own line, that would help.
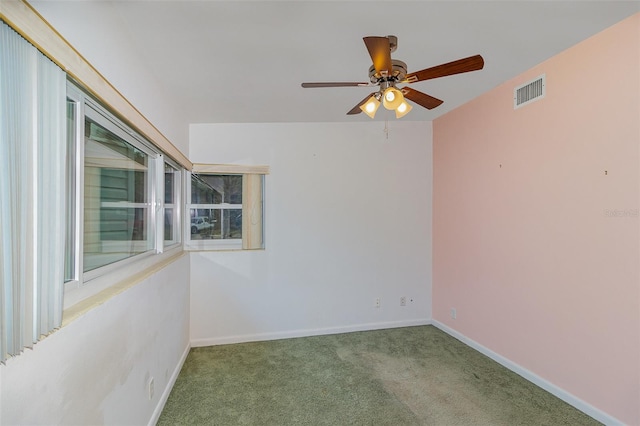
(24, 19)
(252, 212)
(230, 169)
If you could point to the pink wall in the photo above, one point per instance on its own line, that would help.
(533, 244)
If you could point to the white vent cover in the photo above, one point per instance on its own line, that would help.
(529, 92)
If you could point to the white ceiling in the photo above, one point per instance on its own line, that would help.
(243, 61)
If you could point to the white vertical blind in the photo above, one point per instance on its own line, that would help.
(50, 207)
(32, 193)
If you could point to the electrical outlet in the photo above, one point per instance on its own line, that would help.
(403, 301)
(151, 388)
(454, 313)
(376, 303)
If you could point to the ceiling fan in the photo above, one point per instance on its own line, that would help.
(386, 73)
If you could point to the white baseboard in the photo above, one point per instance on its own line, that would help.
(570, 399)
(243, 338)
(167, 390)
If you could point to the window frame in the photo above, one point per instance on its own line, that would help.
(103, 118)
(176, 206)
(209, 244)
(225, 170)
(74, 196)
(106, 275)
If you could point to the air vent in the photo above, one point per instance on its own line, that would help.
(529, 92)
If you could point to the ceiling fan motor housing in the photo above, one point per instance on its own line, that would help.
(398, 72)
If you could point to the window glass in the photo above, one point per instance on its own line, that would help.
(216, 207)
(216, 223)
(216, 189)
(116, 198)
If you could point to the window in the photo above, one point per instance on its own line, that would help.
(42, 176)
(226, 210)
(125, 202)
(117, 196)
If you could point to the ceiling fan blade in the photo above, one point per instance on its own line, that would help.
(380, 52)
(420, 98)
(334, 84)
(472, 63)
(356, 109)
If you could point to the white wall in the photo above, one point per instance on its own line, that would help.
(96, 369)
(348, 220)
(92, 29)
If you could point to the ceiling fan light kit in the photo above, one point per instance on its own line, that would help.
(392, 98)
(386, 73)
(403, 109)
(371, 106)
